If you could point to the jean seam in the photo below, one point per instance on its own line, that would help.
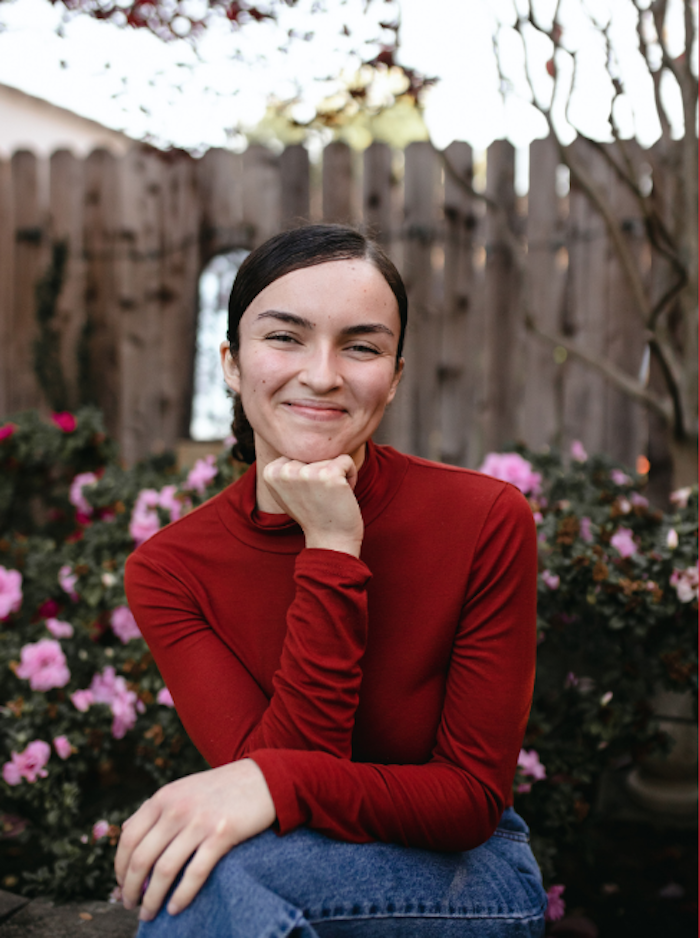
(529, 915)
(512, 835)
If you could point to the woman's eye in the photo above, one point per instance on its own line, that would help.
(280, 337)
(364, 348)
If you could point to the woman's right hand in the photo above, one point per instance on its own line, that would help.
(320, 498)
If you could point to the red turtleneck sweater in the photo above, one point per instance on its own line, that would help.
(383, 698)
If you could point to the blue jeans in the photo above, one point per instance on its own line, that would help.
(304, 885)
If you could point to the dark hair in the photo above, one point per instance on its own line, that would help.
(280, 255)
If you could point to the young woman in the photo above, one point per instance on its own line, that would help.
(349, 637)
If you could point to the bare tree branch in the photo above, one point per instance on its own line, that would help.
(626, 383)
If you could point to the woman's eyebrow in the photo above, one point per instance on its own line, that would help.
(365, 328)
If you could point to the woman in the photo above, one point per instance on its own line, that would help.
(349, 637)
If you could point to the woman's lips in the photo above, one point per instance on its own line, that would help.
(316, 410)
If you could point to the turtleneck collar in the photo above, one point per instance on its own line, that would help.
(378, 481)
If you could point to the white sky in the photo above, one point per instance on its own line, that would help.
(171, 94)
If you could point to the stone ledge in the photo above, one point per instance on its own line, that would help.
(41, 918)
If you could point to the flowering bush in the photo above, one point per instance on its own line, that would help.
(89, 729)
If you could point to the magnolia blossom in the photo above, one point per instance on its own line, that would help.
(124, 625)
(550, 579)
(511, 467)
(585, 529)
(100, 829)
(10, 591)
(43, 664)
(165, 698)
(578, 452)
(108, 688)
(623, 542)
(681, 496)
(27, 764)
(555, 904)
(144, 518)
(685, 583)
(67, 580)
(59, 629)
(76, 497)
(64, 421)
(672, 539)
(62, 746)
(82, 700)
(530, 766)
(201, 474)
(619, 477)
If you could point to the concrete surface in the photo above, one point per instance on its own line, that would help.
(40, 918)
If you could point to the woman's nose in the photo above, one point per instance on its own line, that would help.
(320, 373)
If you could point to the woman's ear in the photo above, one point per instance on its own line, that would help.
(229, 366)
(395, 381)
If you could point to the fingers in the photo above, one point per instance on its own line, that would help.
(341, 469)
(139, 825)
(165, 872)
(203, 862)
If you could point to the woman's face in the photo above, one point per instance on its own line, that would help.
(317, 361)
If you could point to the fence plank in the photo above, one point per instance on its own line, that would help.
(338, 184)
(66, 226)
(295, 186)
(540, 417)
(219, 176)
(29, 265)
(261, 194)
(377, 185)
(7, 259)
(503, 318)
(461, 367)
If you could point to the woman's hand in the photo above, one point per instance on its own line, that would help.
(200, 816)
(319, 496)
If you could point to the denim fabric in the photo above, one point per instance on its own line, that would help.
(304, 885)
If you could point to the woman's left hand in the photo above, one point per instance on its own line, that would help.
(200, 816)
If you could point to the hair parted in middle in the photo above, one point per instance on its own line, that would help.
(292, 250)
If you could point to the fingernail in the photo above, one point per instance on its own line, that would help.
(145, 915)
(128, 904)
(173, 909)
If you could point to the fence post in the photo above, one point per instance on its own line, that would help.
(337, 184)
(294, 186)
(7, 259)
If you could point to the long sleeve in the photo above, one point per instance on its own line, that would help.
(454, 801)
(317, 683)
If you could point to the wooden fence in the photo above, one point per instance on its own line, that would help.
(138, 231)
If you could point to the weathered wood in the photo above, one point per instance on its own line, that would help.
(261, 194)
(219, 177)
(295, 186)
(503, 334)
(66, 228)
(377, 185)
(541, 404)
(461, 342)
(338, 184)
(7, 247)
(586, 308)
(30, 263)
(101, 365)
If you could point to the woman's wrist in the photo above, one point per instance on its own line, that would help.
(328, 540)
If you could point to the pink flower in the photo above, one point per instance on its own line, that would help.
(555, 904)
(67, 580)
(59, 629)
(510, 467)
(639, 501)
(48, 609)
(585, 529)
(619, 477)
(685, 583)
(64, 421)
(124, 625)
(6, 430)
(76, 497)
(111, 689)
(27, 764)
(229, 441)
(550, 579)
(82, 700)
(43, 664)
(62, 746)
(10, 592)
(578, 452)
(672, 539)
(165, 698)
(571, 680)
(201, 474)
(100, 830)
(530, 766)
(681, 496)
(170, 502)
(623, 542)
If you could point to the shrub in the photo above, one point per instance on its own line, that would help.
(88, 728)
